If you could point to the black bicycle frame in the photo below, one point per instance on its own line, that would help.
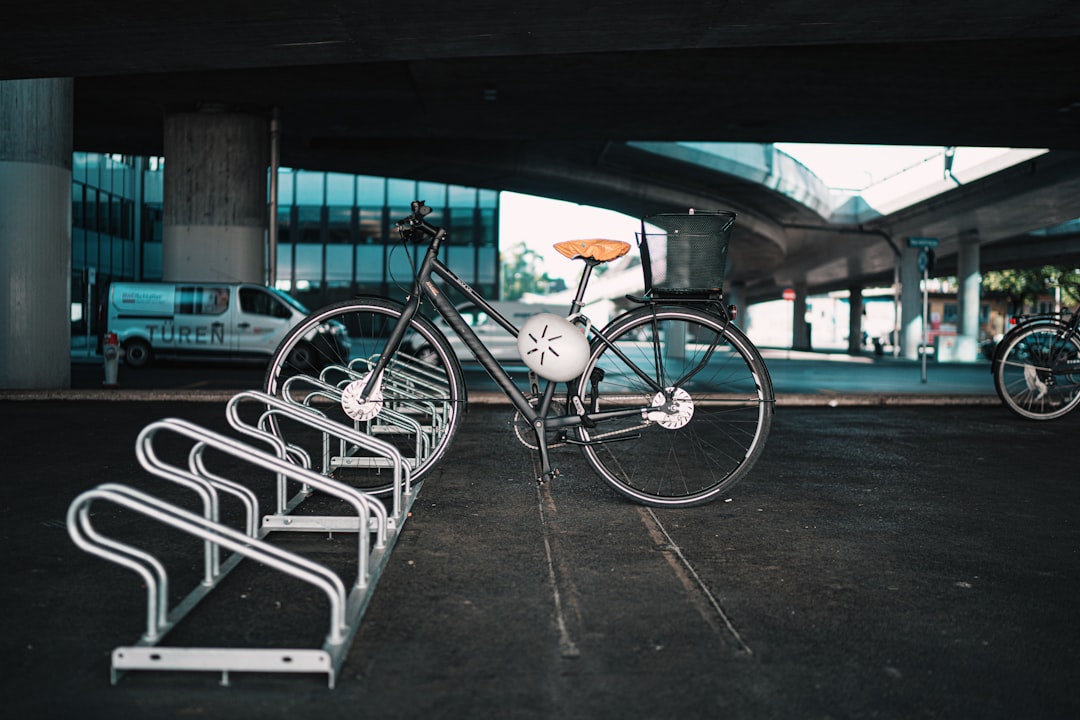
(424, 287)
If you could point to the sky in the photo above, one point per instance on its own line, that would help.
(857, 167)
(540, 223)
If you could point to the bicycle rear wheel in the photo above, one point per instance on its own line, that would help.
(422, 398)
(698, 448)
(1037, 371)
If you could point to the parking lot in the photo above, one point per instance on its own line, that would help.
(883, 560)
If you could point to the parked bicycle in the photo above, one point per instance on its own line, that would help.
(1036, 366)
(670, 403)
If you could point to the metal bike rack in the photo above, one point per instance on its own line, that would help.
(389, 456)
(377, 531)
(388, 422)
(406, 412)
(410, 383)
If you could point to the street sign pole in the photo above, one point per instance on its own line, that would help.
(926, 246)
(925, 308)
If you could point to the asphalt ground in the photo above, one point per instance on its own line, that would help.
(911, 558)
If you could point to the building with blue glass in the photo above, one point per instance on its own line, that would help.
(335, 234)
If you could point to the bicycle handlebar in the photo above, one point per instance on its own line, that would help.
(415, 228)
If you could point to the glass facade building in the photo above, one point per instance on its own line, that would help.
(335, 232)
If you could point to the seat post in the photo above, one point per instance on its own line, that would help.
(579, 296)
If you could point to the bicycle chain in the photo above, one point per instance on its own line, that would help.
(526, 435)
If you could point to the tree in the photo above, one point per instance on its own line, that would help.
(1022, 287)
(522, 274)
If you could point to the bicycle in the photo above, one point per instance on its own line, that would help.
(670, 403)
(1036, 366)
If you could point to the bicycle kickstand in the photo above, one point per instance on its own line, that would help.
(546, 471)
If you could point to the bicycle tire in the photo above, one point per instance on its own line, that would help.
(731, 395)
(423, 401)
(1037, 370)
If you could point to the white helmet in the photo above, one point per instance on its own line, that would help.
(553, 347)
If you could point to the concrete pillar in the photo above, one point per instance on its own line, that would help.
(911, 326)
(855, 316)
(968, 301)
(214, 208)
(800, 330)
(35, 233)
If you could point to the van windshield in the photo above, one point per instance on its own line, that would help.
(290, 300)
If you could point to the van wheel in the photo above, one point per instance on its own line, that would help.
(303, 357)
(137, 353)
(427, 354)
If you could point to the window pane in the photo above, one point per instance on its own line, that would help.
(285, 187)
(370, 191)
(284, 225)
(370, 225)
(461, 259)
(433, 193)
(114, 216)
(284, 265)
(369, 264)
(401, 193)
(339, 264)
(339, 189)
(487, 266)
(91, 210)
(309, 188)
(339, 224)
(78, 205)
(489, 228)
(309, 224)
(401, 266)
(462, 197)
(309, 263)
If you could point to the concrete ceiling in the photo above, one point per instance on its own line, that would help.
(543, 98)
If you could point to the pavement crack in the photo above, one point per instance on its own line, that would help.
(564, 593)
(710, 609)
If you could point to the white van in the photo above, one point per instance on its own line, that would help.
(223, 320)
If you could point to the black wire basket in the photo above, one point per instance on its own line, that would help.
(686, 254)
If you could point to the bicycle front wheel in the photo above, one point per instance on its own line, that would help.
(708, 398)
(1037, 371)
(423, 389)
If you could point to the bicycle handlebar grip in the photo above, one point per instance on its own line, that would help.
(409, 226)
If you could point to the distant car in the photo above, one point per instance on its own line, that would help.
(501, 343)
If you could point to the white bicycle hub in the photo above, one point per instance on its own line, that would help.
(358, 408)
(675, 415)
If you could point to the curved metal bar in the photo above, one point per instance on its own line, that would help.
(283, 449)
(218, 534)
(146, 565)
(247, 498)
(314, 419)
(365, 505)
(144, 451)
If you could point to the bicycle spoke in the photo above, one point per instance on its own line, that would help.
(420, 409)
(676, 462)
